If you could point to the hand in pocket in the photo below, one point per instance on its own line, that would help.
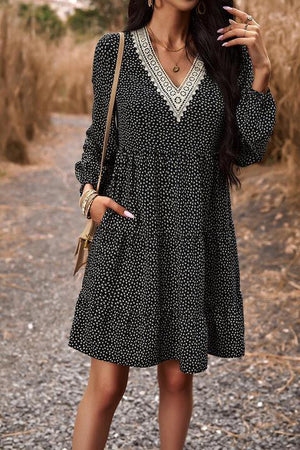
(101, 203)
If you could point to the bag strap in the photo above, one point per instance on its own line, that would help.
(111, 102)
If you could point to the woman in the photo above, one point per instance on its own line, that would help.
(161, 285)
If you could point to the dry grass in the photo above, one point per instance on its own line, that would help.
(26, 87)
(73, 70)
(38, 77)
(281, 32)
(268, 224)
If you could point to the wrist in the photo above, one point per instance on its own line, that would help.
(90, 206)
(262, 76)
(86, 201)
(87, 187)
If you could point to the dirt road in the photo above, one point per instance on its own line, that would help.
(238, 404)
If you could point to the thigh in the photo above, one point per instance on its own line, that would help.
(170, 376)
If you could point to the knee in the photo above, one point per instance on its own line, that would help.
(106, 396)
(175, 382)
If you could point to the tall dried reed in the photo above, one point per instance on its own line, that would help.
(73, 71)
(38, 76)
(281, 31)
(26, 86)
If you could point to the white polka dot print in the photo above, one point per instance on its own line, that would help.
(166, 284)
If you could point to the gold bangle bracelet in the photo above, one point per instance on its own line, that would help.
(86, 197)
(89, 204)
(86, 194)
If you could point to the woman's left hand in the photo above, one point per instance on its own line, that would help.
(250, 36)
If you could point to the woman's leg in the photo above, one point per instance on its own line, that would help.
(175, 405)
(106, 386)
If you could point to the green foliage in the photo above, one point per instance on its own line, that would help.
(86, 22)
(102, 16)
(42, 19)
(113, 13)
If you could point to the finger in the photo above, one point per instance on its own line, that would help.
(250, 23)
(110, 203)
(234, 25)
(238, 13)
(239, 41)
(239, 32)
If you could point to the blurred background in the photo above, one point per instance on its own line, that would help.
(46, 51)
(44, 44)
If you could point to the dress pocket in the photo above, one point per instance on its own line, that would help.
(103, 223)
(122, 191)
(104, 217)
(124, 188)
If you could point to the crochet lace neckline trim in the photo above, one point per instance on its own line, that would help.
(177, 98)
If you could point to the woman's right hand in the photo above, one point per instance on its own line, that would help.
(101, 203)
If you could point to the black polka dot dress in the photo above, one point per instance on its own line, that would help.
(165, 284)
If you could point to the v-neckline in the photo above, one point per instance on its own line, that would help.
(178, 88)
(177, 98)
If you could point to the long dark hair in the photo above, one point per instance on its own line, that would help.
(221, 64)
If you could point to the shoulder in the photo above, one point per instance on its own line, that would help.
(105, 54)
(107, 44)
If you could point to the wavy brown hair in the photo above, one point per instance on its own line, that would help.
(222, 66)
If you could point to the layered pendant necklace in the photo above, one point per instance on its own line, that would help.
(176, 67)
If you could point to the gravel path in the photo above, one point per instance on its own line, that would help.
(238, 404)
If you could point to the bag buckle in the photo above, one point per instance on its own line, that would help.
(87, 240)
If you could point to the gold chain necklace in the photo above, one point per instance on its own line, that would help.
(176, 68)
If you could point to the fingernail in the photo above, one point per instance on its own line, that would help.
(220, 37)
(225, 43)
(231, 21)
(128, 214)
(227, 7)
(220, 30)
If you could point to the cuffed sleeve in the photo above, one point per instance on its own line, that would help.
(256, 115)
(87, 169)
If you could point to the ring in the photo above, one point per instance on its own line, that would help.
(249, 18)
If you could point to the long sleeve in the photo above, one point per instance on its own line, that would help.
(87, 170)
(256, 115)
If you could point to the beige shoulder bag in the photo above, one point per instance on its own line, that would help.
(86, 236)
